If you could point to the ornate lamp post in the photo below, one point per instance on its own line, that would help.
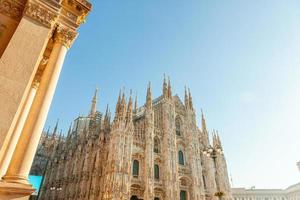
(214, 152)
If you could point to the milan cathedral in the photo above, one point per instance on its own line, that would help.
(152, 152)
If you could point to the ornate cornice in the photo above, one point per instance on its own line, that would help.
(12, 9)
(76, 11)
(65, 35)
(40, 14)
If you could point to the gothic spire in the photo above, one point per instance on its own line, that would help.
(190, 100)
(55, 129)
(135, 104)
(186, 98)
(149, 97)
(165, 88)
(203, 122)
(218, 140)
(129, 110)
(106, 121)
(77, 124)
(94, 103)
(169, 89)
(70, 130)
(118, 107)
(60, 136)
(123, 106)
(213, 138)
(215, 142)
(106, 112)
(48, 132)
(69, 134)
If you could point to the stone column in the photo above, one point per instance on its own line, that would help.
(19, 63)
(20, 164)
(18, 128)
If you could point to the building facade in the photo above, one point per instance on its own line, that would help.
(290, 193)
(155, 151)
(35, 36)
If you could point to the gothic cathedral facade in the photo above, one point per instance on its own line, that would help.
(152, 152)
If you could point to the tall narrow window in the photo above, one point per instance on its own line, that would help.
(178, 126)
(156, 171)
(183, 195)
(135, 168)
(204, 181)
(156, 148)
(180, 157)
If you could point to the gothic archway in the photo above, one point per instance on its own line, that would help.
(185, 188)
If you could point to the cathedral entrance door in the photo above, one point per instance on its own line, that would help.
(134, 198)
(183, 195)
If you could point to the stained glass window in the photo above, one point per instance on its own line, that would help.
(180, 157)
(135, 168)
(156, 171)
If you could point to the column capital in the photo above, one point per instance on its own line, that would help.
(65, 35)
(40, 13)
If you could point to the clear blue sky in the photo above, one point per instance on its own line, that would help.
(240, 59)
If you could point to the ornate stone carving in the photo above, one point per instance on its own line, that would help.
(65, 35)
(40, 14)
(12, 9)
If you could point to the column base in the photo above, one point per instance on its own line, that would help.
(15, 179)
(15, 191)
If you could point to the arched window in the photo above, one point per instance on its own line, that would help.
(183, 195)
(180, 157)
(135, 168)
(156, 171)
(178, 126)
(156, 148)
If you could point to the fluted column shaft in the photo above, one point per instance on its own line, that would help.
(23, 156)
(18, 128)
